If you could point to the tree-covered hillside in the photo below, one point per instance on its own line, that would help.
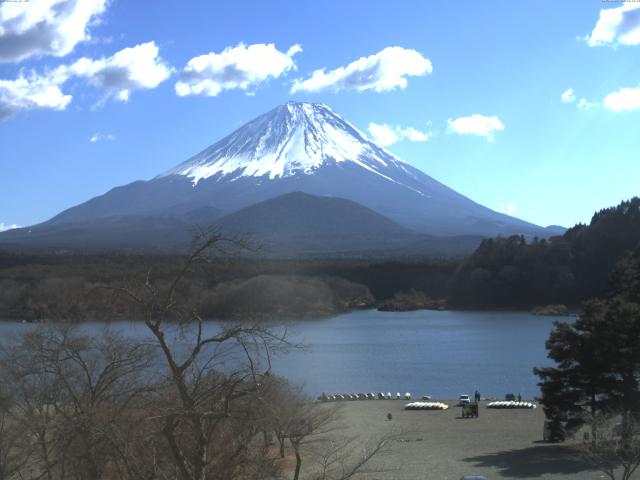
(516, 273)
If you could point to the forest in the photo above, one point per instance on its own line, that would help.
(503, 273)
(74, 287)
(107, 406)
(569, 269)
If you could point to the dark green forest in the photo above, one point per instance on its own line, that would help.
(516, 273)
(503, 273)
(41, 286)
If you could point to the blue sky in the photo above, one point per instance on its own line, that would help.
(532, 108)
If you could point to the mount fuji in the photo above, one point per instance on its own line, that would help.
(296, 147)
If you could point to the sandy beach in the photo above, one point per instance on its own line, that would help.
(440, 445)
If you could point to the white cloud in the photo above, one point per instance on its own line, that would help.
(387, 135)
(585, 104)
(476, 124)
(5, 226)
(384, 71)
(97, 137)
(509, 208)
(617, 26)
(568, 96)
(623, 99)
(45, 27)
(134, 68)
(414, 135)
(242, 67)
(29, 93)
(382, 134)
(130, 69)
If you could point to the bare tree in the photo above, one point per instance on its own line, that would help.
(34, 392)
(308, 421)
(616, 449)
(14, 450)
(76, 400)
(213, 373)
(287, 408)
(345, 457)
(217, 386)
(191, 401)
(313, 431)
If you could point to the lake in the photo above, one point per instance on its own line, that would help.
(439, 353)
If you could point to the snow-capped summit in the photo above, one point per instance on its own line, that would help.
(294, 138)
(296, 147)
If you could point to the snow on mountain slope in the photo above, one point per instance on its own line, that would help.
(297, 147)
(295, 138)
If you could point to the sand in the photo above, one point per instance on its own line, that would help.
(440, 445)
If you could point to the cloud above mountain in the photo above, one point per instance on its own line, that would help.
(382, 72)
(625, 99)
(617, 26)
(135, 68)
(242, 67)
(8, 226)
(45, 27)
(569, 96)
(476, 124)
(99, 137)
(30, 93)
(387, 135)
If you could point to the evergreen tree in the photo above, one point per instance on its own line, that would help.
(597, 357)
(579, 386)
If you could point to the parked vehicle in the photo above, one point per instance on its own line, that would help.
(464, 400)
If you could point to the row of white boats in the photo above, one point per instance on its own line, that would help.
(426, 406)
(444, 406)
(367, 396)
(511, 404)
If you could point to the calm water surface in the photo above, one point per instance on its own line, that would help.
(442, 354)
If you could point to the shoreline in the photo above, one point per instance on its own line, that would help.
(310, 316)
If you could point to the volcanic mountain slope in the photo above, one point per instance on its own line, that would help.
(302, 225)
(297, 147)
(293, 225)
(299, 224)
(301, 215)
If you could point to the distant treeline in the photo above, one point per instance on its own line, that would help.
(503, 273)
(40, 286)
(515, 273)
